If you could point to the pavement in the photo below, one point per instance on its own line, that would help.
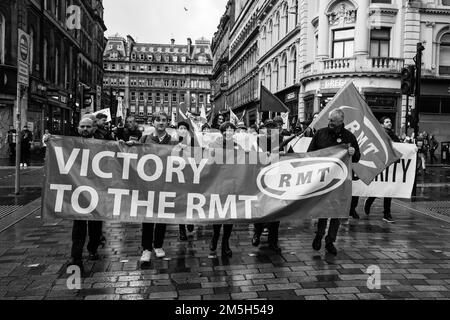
(413, 256)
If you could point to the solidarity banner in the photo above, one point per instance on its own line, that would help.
(396, 181)
(91, 179)
(376, 148)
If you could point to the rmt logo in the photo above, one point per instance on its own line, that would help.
(73, 17)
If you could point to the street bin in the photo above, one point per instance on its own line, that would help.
(445, 152)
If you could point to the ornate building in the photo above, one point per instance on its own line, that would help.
(158, 77)
(369, 41)
(62, 62)
(243, 90)
(221, 57)
(279, 47)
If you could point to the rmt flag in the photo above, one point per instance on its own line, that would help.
(377, 152)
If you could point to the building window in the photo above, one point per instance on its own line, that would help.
(343, 43)
(380, 40)
(133, 56)
(45, 59)
(149, 110)
(444, 54)
(158, 97)
(133, 67)
(201, 98)
(158, 68)
(166, 69)
(174, 97)
(149, 68)
(141, 111)
(183, 83)
(113, 67)
(149, 97)
(166, 83)
(133, 96)
(166, 97)
(174, 83)
(141, 96)
(132, 109)
(150, 82)
(182, 98)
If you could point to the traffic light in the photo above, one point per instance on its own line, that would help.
(87, 98)
(408, 80)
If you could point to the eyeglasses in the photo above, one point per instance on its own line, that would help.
(87, 127)
(161, 119)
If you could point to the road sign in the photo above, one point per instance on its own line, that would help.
(23, 58)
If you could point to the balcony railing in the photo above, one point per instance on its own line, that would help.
(381, 64)
(341, 64)
(354, 64)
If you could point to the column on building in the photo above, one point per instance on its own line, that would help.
(362, 32)
(323, 30)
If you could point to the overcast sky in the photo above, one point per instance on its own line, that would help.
(158, 21)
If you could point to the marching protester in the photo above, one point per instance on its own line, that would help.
(219, 122)
(102, 129)
(81, 227)
(272, 227)
(152, 233)
(334, 134)
(130, 132)
(226, 142)
(241, 127)
(386, 123)
(186, 141)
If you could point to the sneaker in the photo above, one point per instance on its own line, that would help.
(388, 218)
(317, 243)
(21, 165)
(160, 253)
(366, 207)
(25, 165)
(146, 256)
(331, 248)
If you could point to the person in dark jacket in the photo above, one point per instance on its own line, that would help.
(272, 227)
(131, 131)
(81, 227)
(153, 233)
(226, 142)
(102, 130)
(185, 140)
(25, 146)
(386, 123)
(333, 135)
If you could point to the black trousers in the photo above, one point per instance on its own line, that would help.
(386, 204)
(79, 230)
(273, 230)
(332, 230)
(12, 153)
(432, 156)
(354, 204)
(227, 228)
(25, 154)
(148, 229)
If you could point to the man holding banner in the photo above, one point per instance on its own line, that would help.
(333, 135)
(386, 123)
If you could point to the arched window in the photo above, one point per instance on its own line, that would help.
(293, 65)
(45, 59)
(270, 36)
(283, 73)
(269, 77)
(276, 75)
(2, 39)
(444, 54)
(296, 13)
(286, 21)
(263, 77)
(263, 40)
(277, 28)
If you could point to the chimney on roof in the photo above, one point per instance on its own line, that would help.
(172, 41)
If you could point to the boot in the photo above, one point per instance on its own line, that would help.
(226, 251)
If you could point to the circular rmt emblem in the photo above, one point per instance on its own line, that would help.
(24, 48)
(297, 179)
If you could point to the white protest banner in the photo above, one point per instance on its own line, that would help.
(396, 181)
(107, 112)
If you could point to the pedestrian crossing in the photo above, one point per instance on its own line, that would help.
(7, 210)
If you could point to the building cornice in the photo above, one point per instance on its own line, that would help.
(440, 11)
